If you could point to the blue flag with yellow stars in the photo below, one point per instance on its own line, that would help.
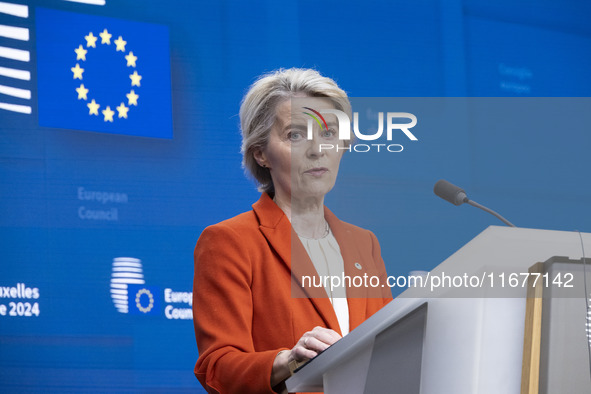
(103, 74)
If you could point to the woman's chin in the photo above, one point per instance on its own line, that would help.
(313, 191)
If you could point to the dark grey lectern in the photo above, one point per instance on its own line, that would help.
(465, 340)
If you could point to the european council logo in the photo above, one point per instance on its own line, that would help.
(129, 291)
(143, 300)
(103, 74)
(127, 271)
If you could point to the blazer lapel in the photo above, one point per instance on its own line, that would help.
(357, 296)
(277, 229)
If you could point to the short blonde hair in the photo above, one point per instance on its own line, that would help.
(258, 111)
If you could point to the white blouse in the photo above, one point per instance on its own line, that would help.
(328, 261)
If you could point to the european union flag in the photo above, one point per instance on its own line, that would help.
(143, 300)
(103, 74)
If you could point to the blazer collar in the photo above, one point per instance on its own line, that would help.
(348, 243)
(276, 228)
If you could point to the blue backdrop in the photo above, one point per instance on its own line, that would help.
(100, 207)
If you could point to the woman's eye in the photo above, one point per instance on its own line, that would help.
(294, 135)
(329, 133)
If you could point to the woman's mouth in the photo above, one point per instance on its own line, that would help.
(317, 171)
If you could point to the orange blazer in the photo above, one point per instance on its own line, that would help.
(245, 298)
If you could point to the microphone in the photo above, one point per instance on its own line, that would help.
(450, 192)
(457, 196)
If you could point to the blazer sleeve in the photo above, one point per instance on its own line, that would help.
(222, 310)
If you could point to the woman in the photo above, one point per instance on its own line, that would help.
(253, 314)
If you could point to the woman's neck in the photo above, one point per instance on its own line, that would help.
(306, 215)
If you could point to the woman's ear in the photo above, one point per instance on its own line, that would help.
(259, 156)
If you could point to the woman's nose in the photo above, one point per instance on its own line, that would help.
(315, 146)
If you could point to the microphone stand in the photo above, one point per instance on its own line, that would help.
(485, 209)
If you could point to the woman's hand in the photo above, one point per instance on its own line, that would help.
(312, 343)
(307, 347)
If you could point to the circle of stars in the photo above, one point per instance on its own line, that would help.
(93, 106)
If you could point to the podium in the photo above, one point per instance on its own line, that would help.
(502, 335)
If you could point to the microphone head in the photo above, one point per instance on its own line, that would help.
(450, 192)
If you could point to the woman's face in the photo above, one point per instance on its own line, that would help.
(299, 168)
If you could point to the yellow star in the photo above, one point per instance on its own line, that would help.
(93, 108)
(120, 44)
(80, 53)
(131, 59)
(132, 98)
(105, 37)
(122, 109)
(82, 91)
(90, 40)
(108, 114)
(77, 71)
(135, 79)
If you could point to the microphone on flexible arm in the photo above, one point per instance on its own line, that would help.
(457, 196)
